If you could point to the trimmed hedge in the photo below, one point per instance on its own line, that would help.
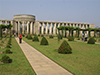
(35, 38)
(50, 36)
(7, 51)
(65, 48)
(38, 34)
(6, 59)
(44, 41)
(8, 46)
(70, 38)
(91, 41)
(29, 37)
(42, 35)
(26, 36)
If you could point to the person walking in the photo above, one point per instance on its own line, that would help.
(20, 38)
(82, 36)
(14, 34)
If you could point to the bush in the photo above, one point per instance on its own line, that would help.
(2, 41)
(26, 36)
(38, 34)
(60, 36)
(78, 38)
(23, 35)
(44, 41)
(7, 51)
(29, 37)
(9, 41)
(6, 59)
(70, 38)
(8, 46)
(65, 48)
(42, 35)
(91, 41)
(35, 38)
(50, 36)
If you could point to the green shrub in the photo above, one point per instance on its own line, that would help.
(44, 41)
(70, 38)
(38, 34)
(91, 41)
(2, 41)
(23, 35)
(6, 59)
(8, 46)
(7, 51)
(60, 36)
(50, 36)
(42, 35)
(29, 37)
(9, 41)
(65, 48)
(35, 38)
(78, 38)
(26, 36)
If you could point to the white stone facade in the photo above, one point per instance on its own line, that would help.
(27, 24)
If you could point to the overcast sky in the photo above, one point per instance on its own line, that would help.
(87, 11)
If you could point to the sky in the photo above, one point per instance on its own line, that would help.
(81, 11)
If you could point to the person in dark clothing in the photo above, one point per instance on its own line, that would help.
(20, 38)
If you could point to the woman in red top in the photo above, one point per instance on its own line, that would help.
(20, 38)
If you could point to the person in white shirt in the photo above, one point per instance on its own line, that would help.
(85, 37)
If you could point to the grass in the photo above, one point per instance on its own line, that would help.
(19, 65)
(85, 59)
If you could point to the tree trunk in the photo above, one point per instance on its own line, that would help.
(0, 33)
(78, 33)
(69, 32)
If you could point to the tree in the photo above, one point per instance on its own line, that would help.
(9, 27)
(95, 30)
(77, 31)
(71, 30)
(2, 26)
(89, 30)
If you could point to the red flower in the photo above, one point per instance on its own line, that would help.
(62, 46)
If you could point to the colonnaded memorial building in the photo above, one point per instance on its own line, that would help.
(27, 24)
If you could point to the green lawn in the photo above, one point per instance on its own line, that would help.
(85, 59)
(19, 65)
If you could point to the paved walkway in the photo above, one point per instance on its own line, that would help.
(40, 63)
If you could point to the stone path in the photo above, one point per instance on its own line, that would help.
(40, 63)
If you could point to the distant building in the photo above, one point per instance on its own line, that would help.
(27, 24)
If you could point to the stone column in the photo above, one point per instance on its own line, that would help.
(23, 27)
(42, 28)
(27, 27)
(6, 28)
(12, 25)
(31, 28)
(47, 28)
(50, 30)
(18, 27)
(54, 29)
